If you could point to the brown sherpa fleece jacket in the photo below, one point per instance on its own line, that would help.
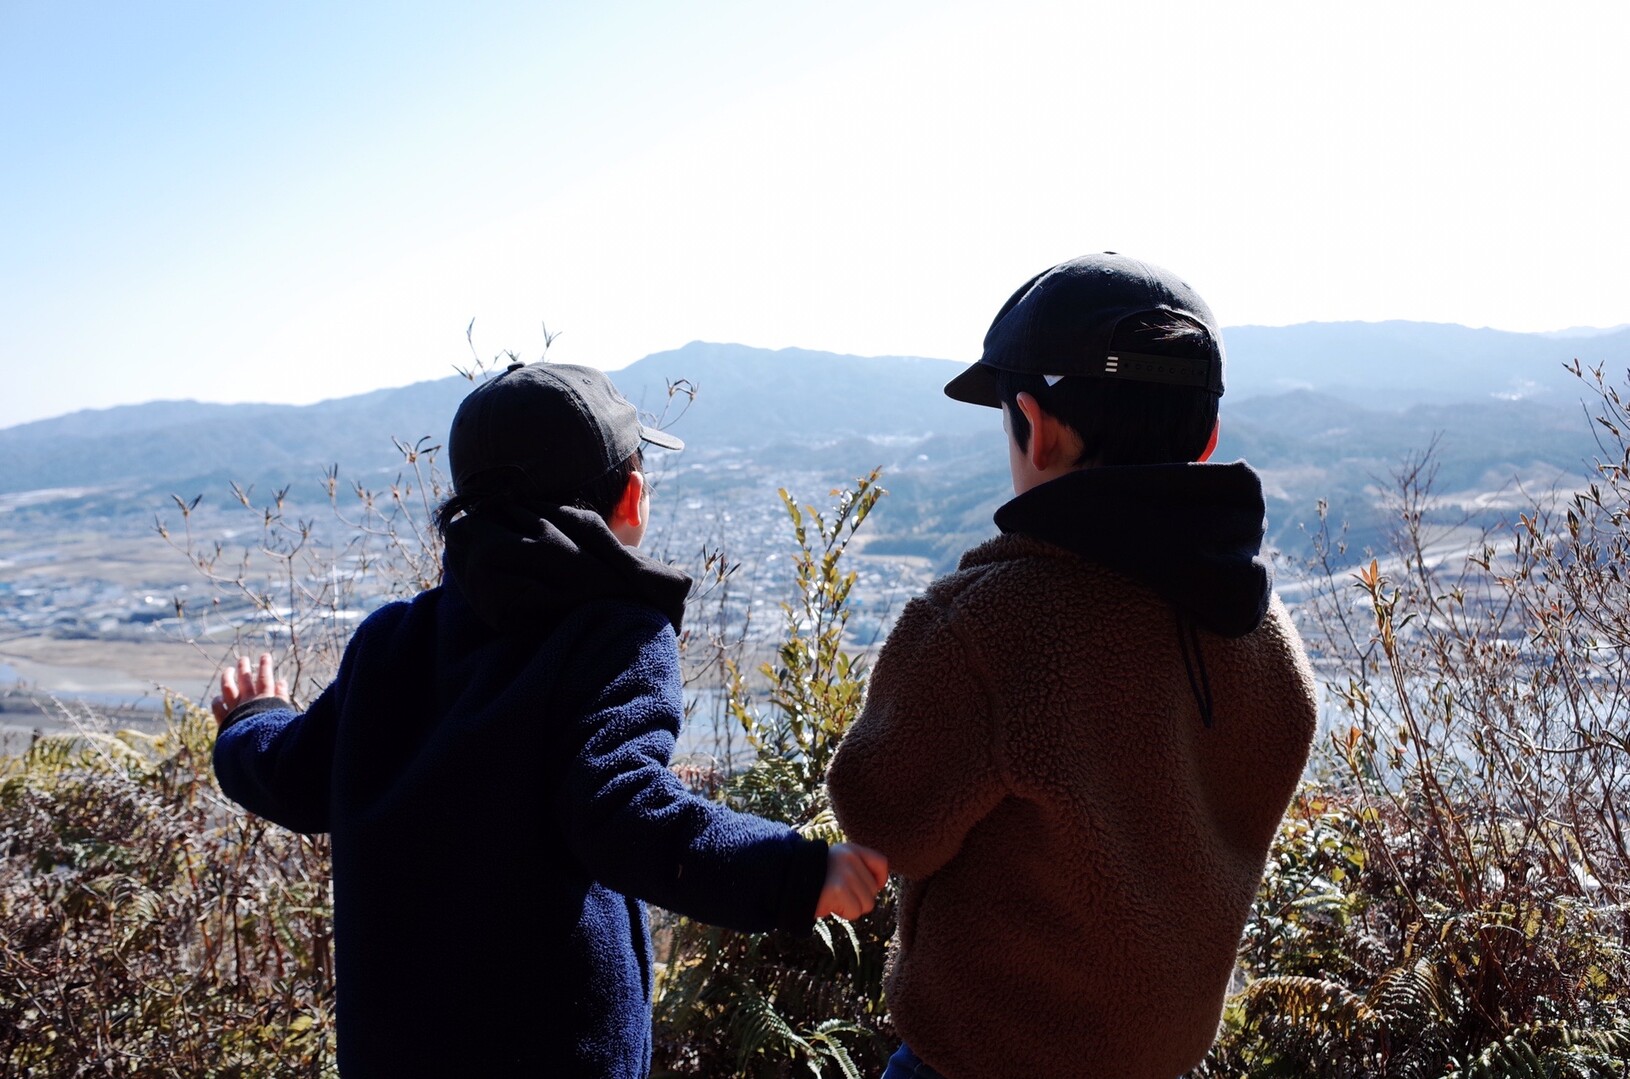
(1079, 848)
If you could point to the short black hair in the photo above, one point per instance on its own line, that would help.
(1119, 421)
(510, 487)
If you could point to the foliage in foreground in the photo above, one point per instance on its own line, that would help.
(1448, 899)
(731, 1003)
(1355, 974)
(1453, 900)
(146, 927)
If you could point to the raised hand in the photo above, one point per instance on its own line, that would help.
(244, 682)
(854, 876)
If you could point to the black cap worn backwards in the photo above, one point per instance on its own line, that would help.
(1061, 322)
(558, 424)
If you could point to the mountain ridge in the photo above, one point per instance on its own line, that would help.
(1262, 359)
(756, 399)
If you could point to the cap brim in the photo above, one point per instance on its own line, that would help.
(976, 386)
(660, 438)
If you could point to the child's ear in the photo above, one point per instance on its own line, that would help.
(1052, 442)
(1211, 446)
(1038, 451)
(630, 508)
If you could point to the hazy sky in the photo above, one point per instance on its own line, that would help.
(293, 201)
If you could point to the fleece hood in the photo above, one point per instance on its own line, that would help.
(522, 571)
(1190, 532)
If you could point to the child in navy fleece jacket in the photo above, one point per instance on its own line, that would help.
(491, 761)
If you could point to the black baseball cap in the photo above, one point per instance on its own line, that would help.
(1061, 322)
(558, 424)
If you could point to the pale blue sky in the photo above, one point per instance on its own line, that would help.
(296, 201)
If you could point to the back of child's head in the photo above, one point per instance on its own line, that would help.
(1126, 422)
(1124, 353)
(544, 435)
(511, 488)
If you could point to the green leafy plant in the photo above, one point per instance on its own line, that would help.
(731, 1003)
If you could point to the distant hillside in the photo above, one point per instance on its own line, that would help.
(1494, 404)
(168, 442)
(752, 396)
(746, 398)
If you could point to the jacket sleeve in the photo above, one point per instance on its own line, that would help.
(278, 763)
(921, 765)
(635, 826)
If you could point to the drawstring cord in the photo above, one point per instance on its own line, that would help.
(1188, 639)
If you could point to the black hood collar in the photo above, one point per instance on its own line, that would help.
(522, 571)
(1190, 532)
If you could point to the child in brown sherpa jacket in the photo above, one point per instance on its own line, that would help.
(1076, 749)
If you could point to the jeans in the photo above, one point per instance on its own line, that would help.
(904, 1064)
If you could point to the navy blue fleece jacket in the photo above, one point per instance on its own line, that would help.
(491, 760)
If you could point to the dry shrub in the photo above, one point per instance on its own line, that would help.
(151, 928)
(1450, 900)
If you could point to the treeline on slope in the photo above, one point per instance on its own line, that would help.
(798, 411)
(1308, 447)
(1447, 897)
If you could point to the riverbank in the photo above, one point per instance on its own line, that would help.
(48, 683)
